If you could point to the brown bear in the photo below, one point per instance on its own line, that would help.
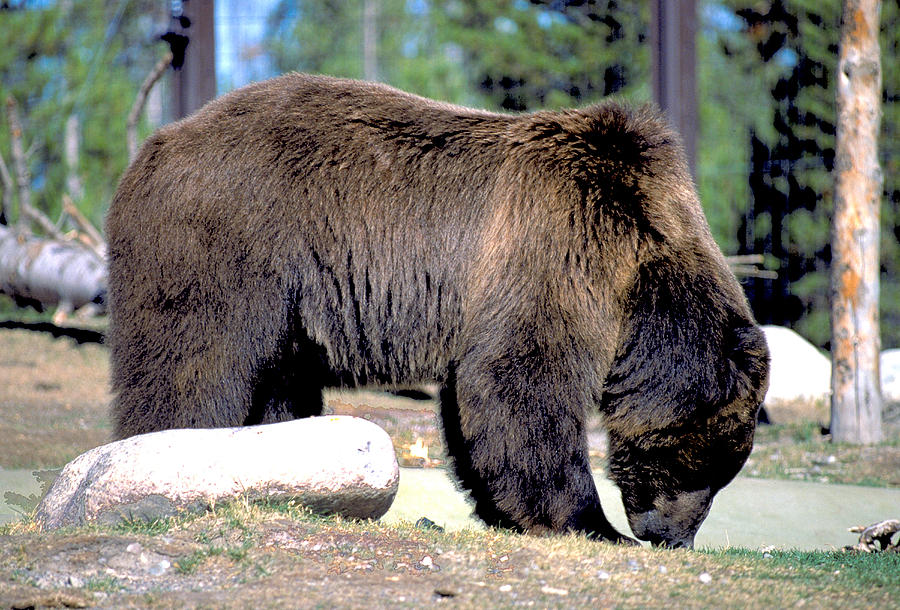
(309, 232)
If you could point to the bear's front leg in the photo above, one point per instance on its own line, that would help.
(518, 445)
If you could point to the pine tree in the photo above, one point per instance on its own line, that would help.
(791, 47)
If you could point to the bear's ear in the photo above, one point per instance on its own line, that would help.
(685, 352)
(746, 378)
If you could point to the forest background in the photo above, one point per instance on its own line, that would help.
(765, 90)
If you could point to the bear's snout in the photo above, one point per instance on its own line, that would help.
(674, 520)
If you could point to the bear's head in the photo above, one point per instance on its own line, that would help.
(668, 477)
(682, 396)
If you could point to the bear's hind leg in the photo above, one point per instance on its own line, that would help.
(290, 385)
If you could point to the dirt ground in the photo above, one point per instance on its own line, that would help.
(53, 399)
(53, 406)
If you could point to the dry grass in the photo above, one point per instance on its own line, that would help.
(54, 398)
(244, 554)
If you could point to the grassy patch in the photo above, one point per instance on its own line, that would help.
(53, 399)
(860, 571)
(106, 584)
(800, 451)
(262, 553)
(142, 526)
(190, 563)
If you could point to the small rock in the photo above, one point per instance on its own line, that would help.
(424, 523)
(427, 561)
(74, 581)
(335, 464)
(134, 547)
(554, 591)
(160, 567)
(705, 578)
(663, 570)
(505, 588)
(603, 575)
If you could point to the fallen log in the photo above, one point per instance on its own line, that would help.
(50, 273)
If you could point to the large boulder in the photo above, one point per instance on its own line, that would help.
(337, 464)
(799, 378)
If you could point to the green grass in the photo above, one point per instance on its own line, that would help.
(142, 526)
(861, 571)
(106, 584)
(189, 564)
(800, 451)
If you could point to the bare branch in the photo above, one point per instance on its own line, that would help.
(20, 165)
(73, 181)
(89, 236)
(141, 99)
(86, 233)
(23, 177)
(746, 259)
(747, 265)
(751, 271)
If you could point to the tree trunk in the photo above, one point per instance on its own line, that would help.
(50, 272)
(370, 40)
(856, 402)
(72, 144)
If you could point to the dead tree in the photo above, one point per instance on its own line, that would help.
(62, 270)
(856, 402)
(52, 271)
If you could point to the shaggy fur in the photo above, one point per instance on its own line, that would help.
(307, 232)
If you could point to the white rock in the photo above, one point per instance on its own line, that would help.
(334, 464)
(799, 371)
(890, 375)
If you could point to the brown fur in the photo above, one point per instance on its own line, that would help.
(307, 232)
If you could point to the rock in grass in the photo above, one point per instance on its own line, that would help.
(336, 464)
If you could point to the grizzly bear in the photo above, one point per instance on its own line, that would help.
(310, 232)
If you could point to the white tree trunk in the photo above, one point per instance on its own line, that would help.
(370, 40)
(51, 272)
(856, 402)
(72, 145)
